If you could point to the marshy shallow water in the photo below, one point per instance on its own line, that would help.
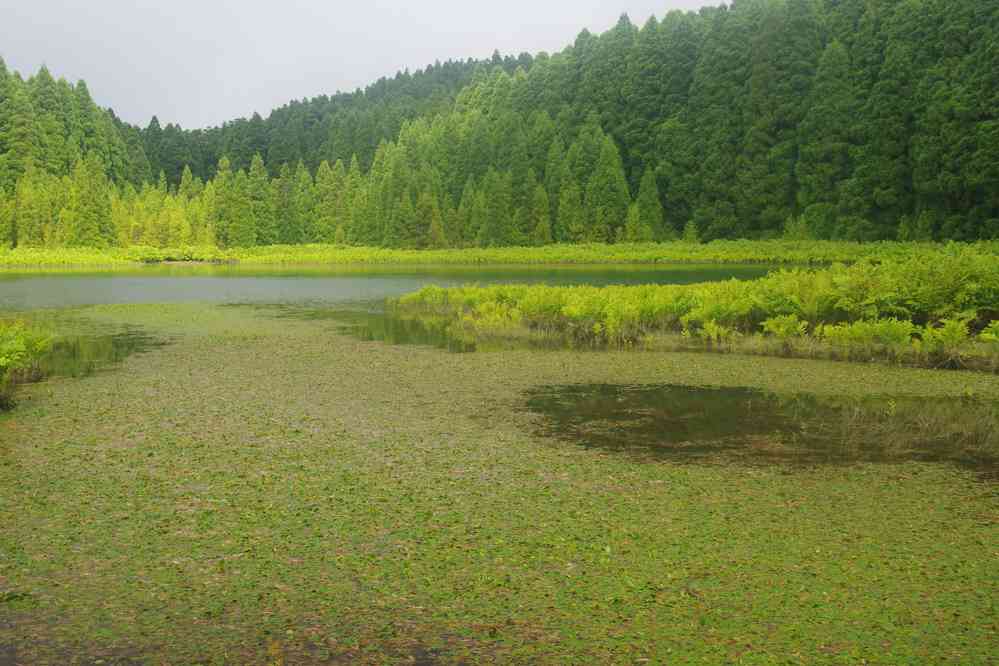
(734, 424)
(81, 355)
(266, 486)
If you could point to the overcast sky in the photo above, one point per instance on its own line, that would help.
(201, 62)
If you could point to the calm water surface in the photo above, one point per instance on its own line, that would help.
(316, 285)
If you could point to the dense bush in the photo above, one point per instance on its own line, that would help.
(20, 350)
(776, 252)
(936, 309)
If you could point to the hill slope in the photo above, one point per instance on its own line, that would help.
(857, 119)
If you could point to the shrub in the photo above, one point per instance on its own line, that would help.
(946, 343)
(20, 350)
(785, 327)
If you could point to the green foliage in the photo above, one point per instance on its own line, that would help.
(947, 270)
(785, 327)
(20, 349)
(846, 121)
(946, 342)
(690, 232)
(798, 229)
(990, 333)
(635, 229)
(869, 335)
(865, 310)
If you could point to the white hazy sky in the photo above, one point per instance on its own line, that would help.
(202, 62)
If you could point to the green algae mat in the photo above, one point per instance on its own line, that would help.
(263, 490)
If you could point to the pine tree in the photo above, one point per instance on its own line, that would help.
(556, 172)
(540, 220)
(650, 208)
(302, 219)
(283, 198)
(242, 222)
(571, 217)
(18, 134)
(85, 221)
(826, 137)
(465, 231)
(36, 209)
(8, 226)
(637, 230)
(222, 183)
(498, 228)
(691, 234)
(607, 196)
(261, 204)
(329, 189)
(428, 213)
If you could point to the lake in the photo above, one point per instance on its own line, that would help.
(316, 284)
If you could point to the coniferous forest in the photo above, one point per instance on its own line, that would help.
(831, 119)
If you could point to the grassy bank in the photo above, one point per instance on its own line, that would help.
(743, 252)
(399, 505)
(934, 311)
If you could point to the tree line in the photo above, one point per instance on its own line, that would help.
(847, 119)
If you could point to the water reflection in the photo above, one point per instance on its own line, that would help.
(319, 284)
(81, 355)
(749, 425)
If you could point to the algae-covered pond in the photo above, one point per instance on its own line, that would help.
(251, 485)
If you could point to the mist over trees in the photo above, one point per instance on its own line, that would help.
(846, 119)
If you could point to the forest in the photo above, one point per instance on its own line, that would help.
(810, 119)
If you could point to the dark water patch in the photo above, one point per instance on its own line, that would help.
(81, 355)
(748, 425)
(373, 322)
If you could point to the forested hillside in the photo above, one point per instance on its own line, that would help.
(848, 119)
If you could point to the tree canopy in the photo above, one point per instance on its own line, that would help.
(844, 119)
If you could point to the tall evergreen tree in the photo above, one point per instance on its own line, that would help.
(242, 221)
(261, 205)
(607, 196)
(650, 208)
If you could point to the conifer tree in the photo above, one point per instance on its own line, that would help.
(826, 137)
(303, 218)
(429, 216)
(261, 204)
(571, 217)
(242, 222)
(327, 202)
(636, 230)
(497, 229)
(85, 221)
(691, 234)
(650, 208)
(8, 227)
(223, 183)
(283, 197)
(465, 231)
(607, 196)
(541, 233)
(18, 134)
